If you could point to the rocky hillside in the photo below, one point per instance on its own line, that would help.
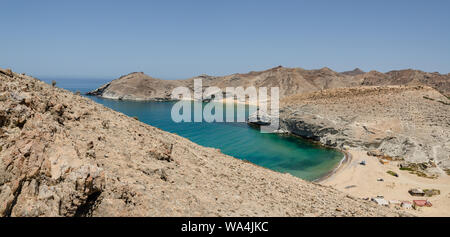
(137, 86)
(291, 81)
(403, 122)
(409, 77)
(64, 155)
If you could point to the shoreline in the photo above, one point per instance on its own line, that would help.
(348, 178)
(342, 163)
(223, 101)
(347, 159)
(364, 182)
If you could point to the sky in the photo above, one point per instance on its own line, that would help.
(180, 39)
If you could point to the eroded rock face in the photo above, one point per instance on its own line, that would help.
(64, 155)
(403, 122)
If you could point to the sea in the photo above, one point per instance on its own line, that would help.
(278, 152)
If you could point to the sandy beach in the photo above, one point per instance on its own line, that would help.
(362, 182)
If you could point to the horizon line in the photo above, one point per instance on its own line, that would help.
(87, 77)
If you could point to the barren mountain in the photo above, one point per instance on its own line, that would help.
(355, 72)
(291, 81)
(64, 155)
(137, 86)
(410, 123)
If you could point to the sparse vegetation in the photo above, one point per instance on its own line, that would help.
(392, 173)
(136, 118)
(417, 169)
(431, 192)
(447, 171)
(406, 168)
(53, 83)
(423, 174)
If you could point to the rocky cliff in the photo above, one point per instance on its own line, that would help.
(64, 155)
(291, 81)
(410, 123)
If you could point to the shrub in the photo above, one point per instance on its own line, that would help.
(392, 173)
(431, 192)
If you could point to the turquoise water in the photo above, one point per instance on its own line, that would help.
(281, 153)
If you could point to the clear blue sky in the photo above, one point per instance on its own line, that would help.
(180, 39)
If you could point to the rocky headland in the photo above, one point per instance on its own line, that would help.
(408, 123)
(397, 138)
(63, 155)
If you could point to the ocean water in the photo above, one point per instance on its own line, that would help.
(282, 153)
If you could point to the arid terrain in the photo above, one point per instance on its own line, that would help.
(410, 123)
(373, 179)
(401, 130)
(399, 117)
(291, 81)
(64, 155)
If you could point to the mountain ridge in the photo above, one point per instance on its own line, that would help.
(291, 81)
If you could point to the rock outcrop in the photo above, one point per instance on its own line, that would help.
(137, 86)
(64, 155)
(291, 81)
(410, 123)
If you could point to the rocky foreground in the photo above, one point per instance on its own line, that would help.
(64, 155)
(291, 81)
(406, 123)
